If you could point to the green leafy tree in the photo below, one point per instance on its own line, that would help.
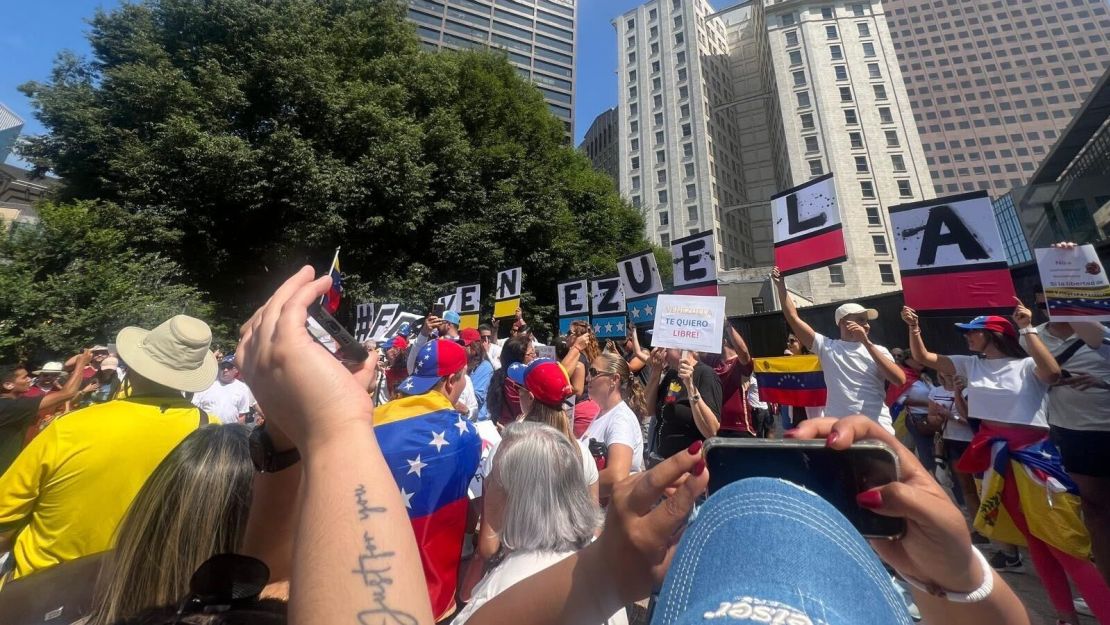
(71, 281)
(249, 137)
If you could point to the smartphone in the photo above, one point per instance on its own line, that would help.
(342, 344)
(836, 476)
(437, 310)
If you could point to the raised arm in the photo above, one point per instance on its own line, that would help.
(800, 328)
(942, 364)
(655, 374)
(640, 356)
(1048, 370)
(574, 351)
(354, 555)
(743, 355)
(72, 386)
(1092, 333)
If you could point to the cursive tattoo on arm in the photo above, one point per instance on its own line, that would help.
(374, 566)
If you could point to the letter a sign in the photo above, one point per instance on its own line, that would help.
(642, 286)
(951, 255)
(507, 291)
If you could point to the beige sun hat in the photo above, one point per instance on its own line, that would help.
(175, 354)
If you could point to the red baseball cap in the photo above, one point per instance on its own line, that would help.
(436, 360)
(544, 378)
(469, 335)
(990, 322)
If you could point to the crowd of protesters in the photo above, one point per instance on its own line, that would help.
(457, 476)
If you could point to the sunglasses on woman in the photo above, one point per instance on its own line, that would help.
(595, 373)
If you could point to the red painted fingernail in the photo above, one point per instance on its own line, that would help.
(699, 468)
(792, 433)
(694, 448)
(870, 499)
(832, 438)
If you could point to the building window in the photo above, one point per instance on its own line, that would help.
(836, 274)
(886, 273)
(856, 139)
(691, 192)
(652, 14)
(665, 240)
(815, 167)
(687, 150)
(659, 137)
(684, 110)
(787, 19)
(841, 72)
(661, 176)
(885, 116)
(635, 182)
(858, 10)
(655, 49)
(873, 218)
(680, 58)
(634, 144)
(868, 49)
(836, 53)
(630, 25)
(795, 57)
(658, 119)
(791, 38)
(904, 189)
(873, 71)
(631, 58)
(861, 165)
(689, 170)
(687, 130)
(663, 197)
(679, 39)
(758, 306)
(898, 162)
(664, 218)
(880, 92)
(656, 84)
(826, 13)
(850, 117)
(811, 144)
(807, 121)
(864, 29)
(803, 99)
(845, 94)
(653, 32)
(800, 78)
(879, 241)
(635, 162)
(682, 73)
(660, 157)
(655, 67)
(867, 189)
(657, 101)
(830, 32)
(691, 213)
(892, 139)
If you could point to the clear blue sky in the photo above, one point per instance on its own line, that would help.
(38, 30)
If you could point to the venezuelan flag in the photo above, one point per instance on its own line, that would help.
(791, 380)
(432, 452)
(330, 300)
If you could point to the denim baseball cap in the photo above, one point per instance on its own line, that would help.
(764, 550)
(452, 317)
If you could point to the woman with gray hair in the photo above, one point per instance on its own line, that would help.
(537, 509)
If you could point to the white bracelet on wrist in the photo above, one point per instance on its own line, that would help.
(1029, 330)
(975, 596)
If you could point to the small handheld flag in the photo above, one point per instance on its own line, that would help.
(330, 300)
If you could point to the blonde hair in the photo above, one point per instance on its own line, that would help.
(192, 507)
(593, 348)
(551, 416)
(631, 390)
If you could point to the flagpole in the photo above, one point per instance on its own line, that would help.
(334, 260)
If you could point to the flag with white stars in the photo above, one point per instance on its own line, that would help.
(432, 452)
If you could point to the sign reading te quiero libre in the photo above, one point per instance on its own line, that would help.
(691, 322)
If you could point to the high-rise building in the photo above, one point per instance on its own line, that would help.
(993, 83)
(537, 35)
(601, 143)
(10, 127)
(722, 109)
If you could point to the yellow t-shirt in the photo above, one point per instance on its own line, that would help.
(72, 485)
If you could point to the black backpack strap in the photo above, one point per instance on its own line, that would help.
(1069, 352)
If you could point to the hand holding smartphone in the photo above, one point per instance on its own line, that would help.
(344, 346)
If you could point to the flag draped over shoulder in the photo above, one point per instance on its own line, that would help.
(432, 452)
(791, 380)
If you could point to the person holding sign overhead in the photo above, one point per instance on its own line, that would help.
(855, 368)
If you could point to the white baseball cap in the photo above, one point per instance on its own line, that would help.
(854, 309)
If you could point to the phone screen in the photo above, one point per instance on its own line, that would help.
(836, 476)
(437, 310)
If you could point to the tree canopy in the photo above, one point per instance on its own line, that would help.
(247, 137)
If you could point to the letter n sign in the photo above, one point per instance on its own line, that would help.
(510, 283)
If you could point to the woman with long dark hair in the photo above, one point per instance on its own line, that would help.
(503, 398)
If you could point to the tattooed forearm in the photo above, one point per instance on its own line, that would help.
(374, 566)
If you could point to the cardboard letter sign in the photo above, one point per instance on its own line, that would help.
(951, 255)
(385, 317)
(808, 231)
(641, 283)
(574, 303)
(470, 304)
(608, 307)
(690, 322)
(695, 264)
(510, 283)
(364, 317)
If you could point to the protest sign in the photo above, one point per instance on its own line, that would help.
(450, 301)
(510, 283)
(691, 322)
(807, 227)
(364, 317)
(641, 284)
(1075, 284)
(695, 264)
(470, 304)
(574, 303)
(951, 255)
(387, 313)
(608, 307)
(400, 320)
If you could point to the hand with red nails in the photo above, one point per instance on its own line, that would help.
(937, 545)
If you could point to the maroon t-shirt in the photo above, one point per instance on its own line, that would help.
(736, 416)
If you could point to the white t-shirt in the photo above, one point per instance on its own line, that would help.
(493, 354)
(225, 401)
(855, 384)
(589, 467)
(953, 430)
(1004, 390)
(918, 391)
(1071, 408)
(618, 426)
(753, 395)
(469, 398)
(515, 568)
(491, 438)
